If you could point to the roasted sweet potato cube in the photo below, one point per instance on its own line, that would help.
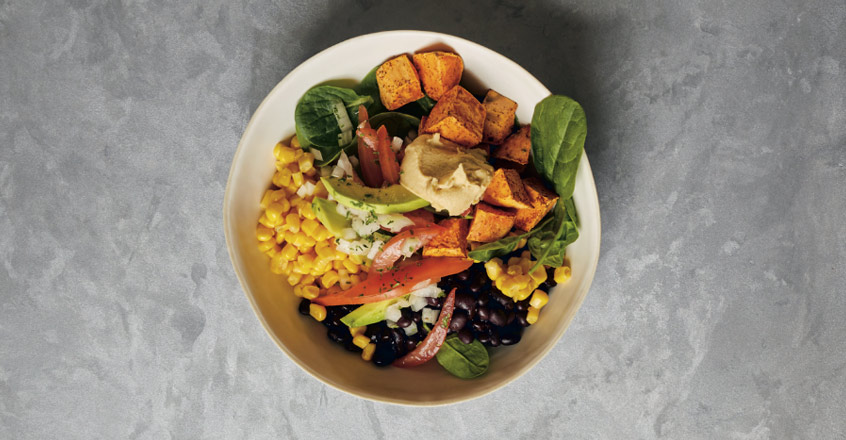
(457, 116)
(499, 119)
(490, 223)
(506, 190)
(439, 71)
(516, 147)
(450, 243)
(542, 201)
(398, 82)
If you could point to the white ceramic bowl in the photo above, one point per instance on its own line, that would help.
(304, 340)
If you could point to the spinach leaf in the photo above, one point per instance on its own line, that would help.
(549, 245)
(463, 360)
(369, 87)
(421, 107)
(324, 119)
(558, 136)
(397, 124)
(503, 246)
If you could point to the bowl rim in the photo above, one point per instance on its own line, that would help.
(239, 151)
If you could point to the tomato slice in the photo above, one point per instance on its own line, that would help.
(367, 158)
(407, 241)
(430, 346)
(387, 157)
(396, 281)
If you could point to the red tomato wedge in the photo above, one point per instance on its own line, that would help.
(407, 241)
(387, 157)
(370, 171)
(396, 281)
(430, 346)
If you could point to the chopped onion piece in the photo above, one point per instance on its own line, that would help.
(430, 291)
(344, 163)
(429, 316)
(393, 313)
(354, 161)
(364, 228)
(377, 246)
(348, 234)
(411, 330)
(316, 153)
(396, 144)
(337, 172)
(417, 302)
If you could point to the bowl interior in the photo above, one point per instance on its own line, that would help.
(304, 340)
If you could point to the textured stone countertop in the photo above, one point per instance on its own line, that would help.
(718, 142)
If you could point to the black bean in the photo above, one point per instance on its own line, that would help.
(350, 346)
(465, 335)
(410, 345)
(480, 327)
(509, 317)
(521, 319)
(484, 338)
(483, 299)
(501, 298)
(385, 335)
(508, 305)
(397, 337)
(404, 322)
(417, 316)
(495, 341)
(336, 335)
(522, 305)
(463, 276)
(459, 320)
(476, 286)
(384, 354)
(305, 307)
(464, 300)
(498, 318)
(433, 302)
(509, 338)
(483, 313)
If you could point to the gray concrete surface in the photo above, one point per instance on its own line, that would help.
(717, 138)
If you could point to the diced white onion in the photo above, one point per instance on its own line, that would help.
(364, 228)
(391, 324)
(306, 189)
(348, 234)
(429, 316)
(411, 330)
(392, 313)
(344, 163)
(403, 302)
(342, 209)
(394, 222)
(436, 138)
(396, 144)
(417, 302)
(337, 172)
(317, 154)
(410, 245)
(354, 161)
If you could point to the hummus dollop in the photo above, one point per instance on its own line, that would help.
(447, 175)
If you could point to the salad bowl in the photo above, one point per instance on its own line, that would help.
(270, 295)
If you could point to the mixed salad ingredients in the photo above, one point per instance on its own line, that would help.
(417, 220)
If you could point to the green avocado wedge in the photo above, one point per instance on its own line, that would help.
(368, 313)
(327, 212)
(392, 199)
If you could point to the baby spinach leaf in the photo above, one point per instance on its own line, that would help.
(325, 119)
(549, 245)
(503, 246)
(558, 136)
(397, 124)
(369, 87)
(463, 360)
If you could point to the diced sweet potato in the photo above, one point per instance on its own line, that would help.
(398, 82)
(449, 243)
(439, 72)
(542, 201)
(516, 147)
(499, 119)
(490, 223)
(457, 116)
(506, 190)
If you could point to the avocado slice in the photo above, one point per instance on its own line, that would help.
(327, 212)
(389, 200)
(369, 313)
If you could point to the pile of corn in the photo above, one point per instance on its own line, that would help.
(300, 247)
(515, 281)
